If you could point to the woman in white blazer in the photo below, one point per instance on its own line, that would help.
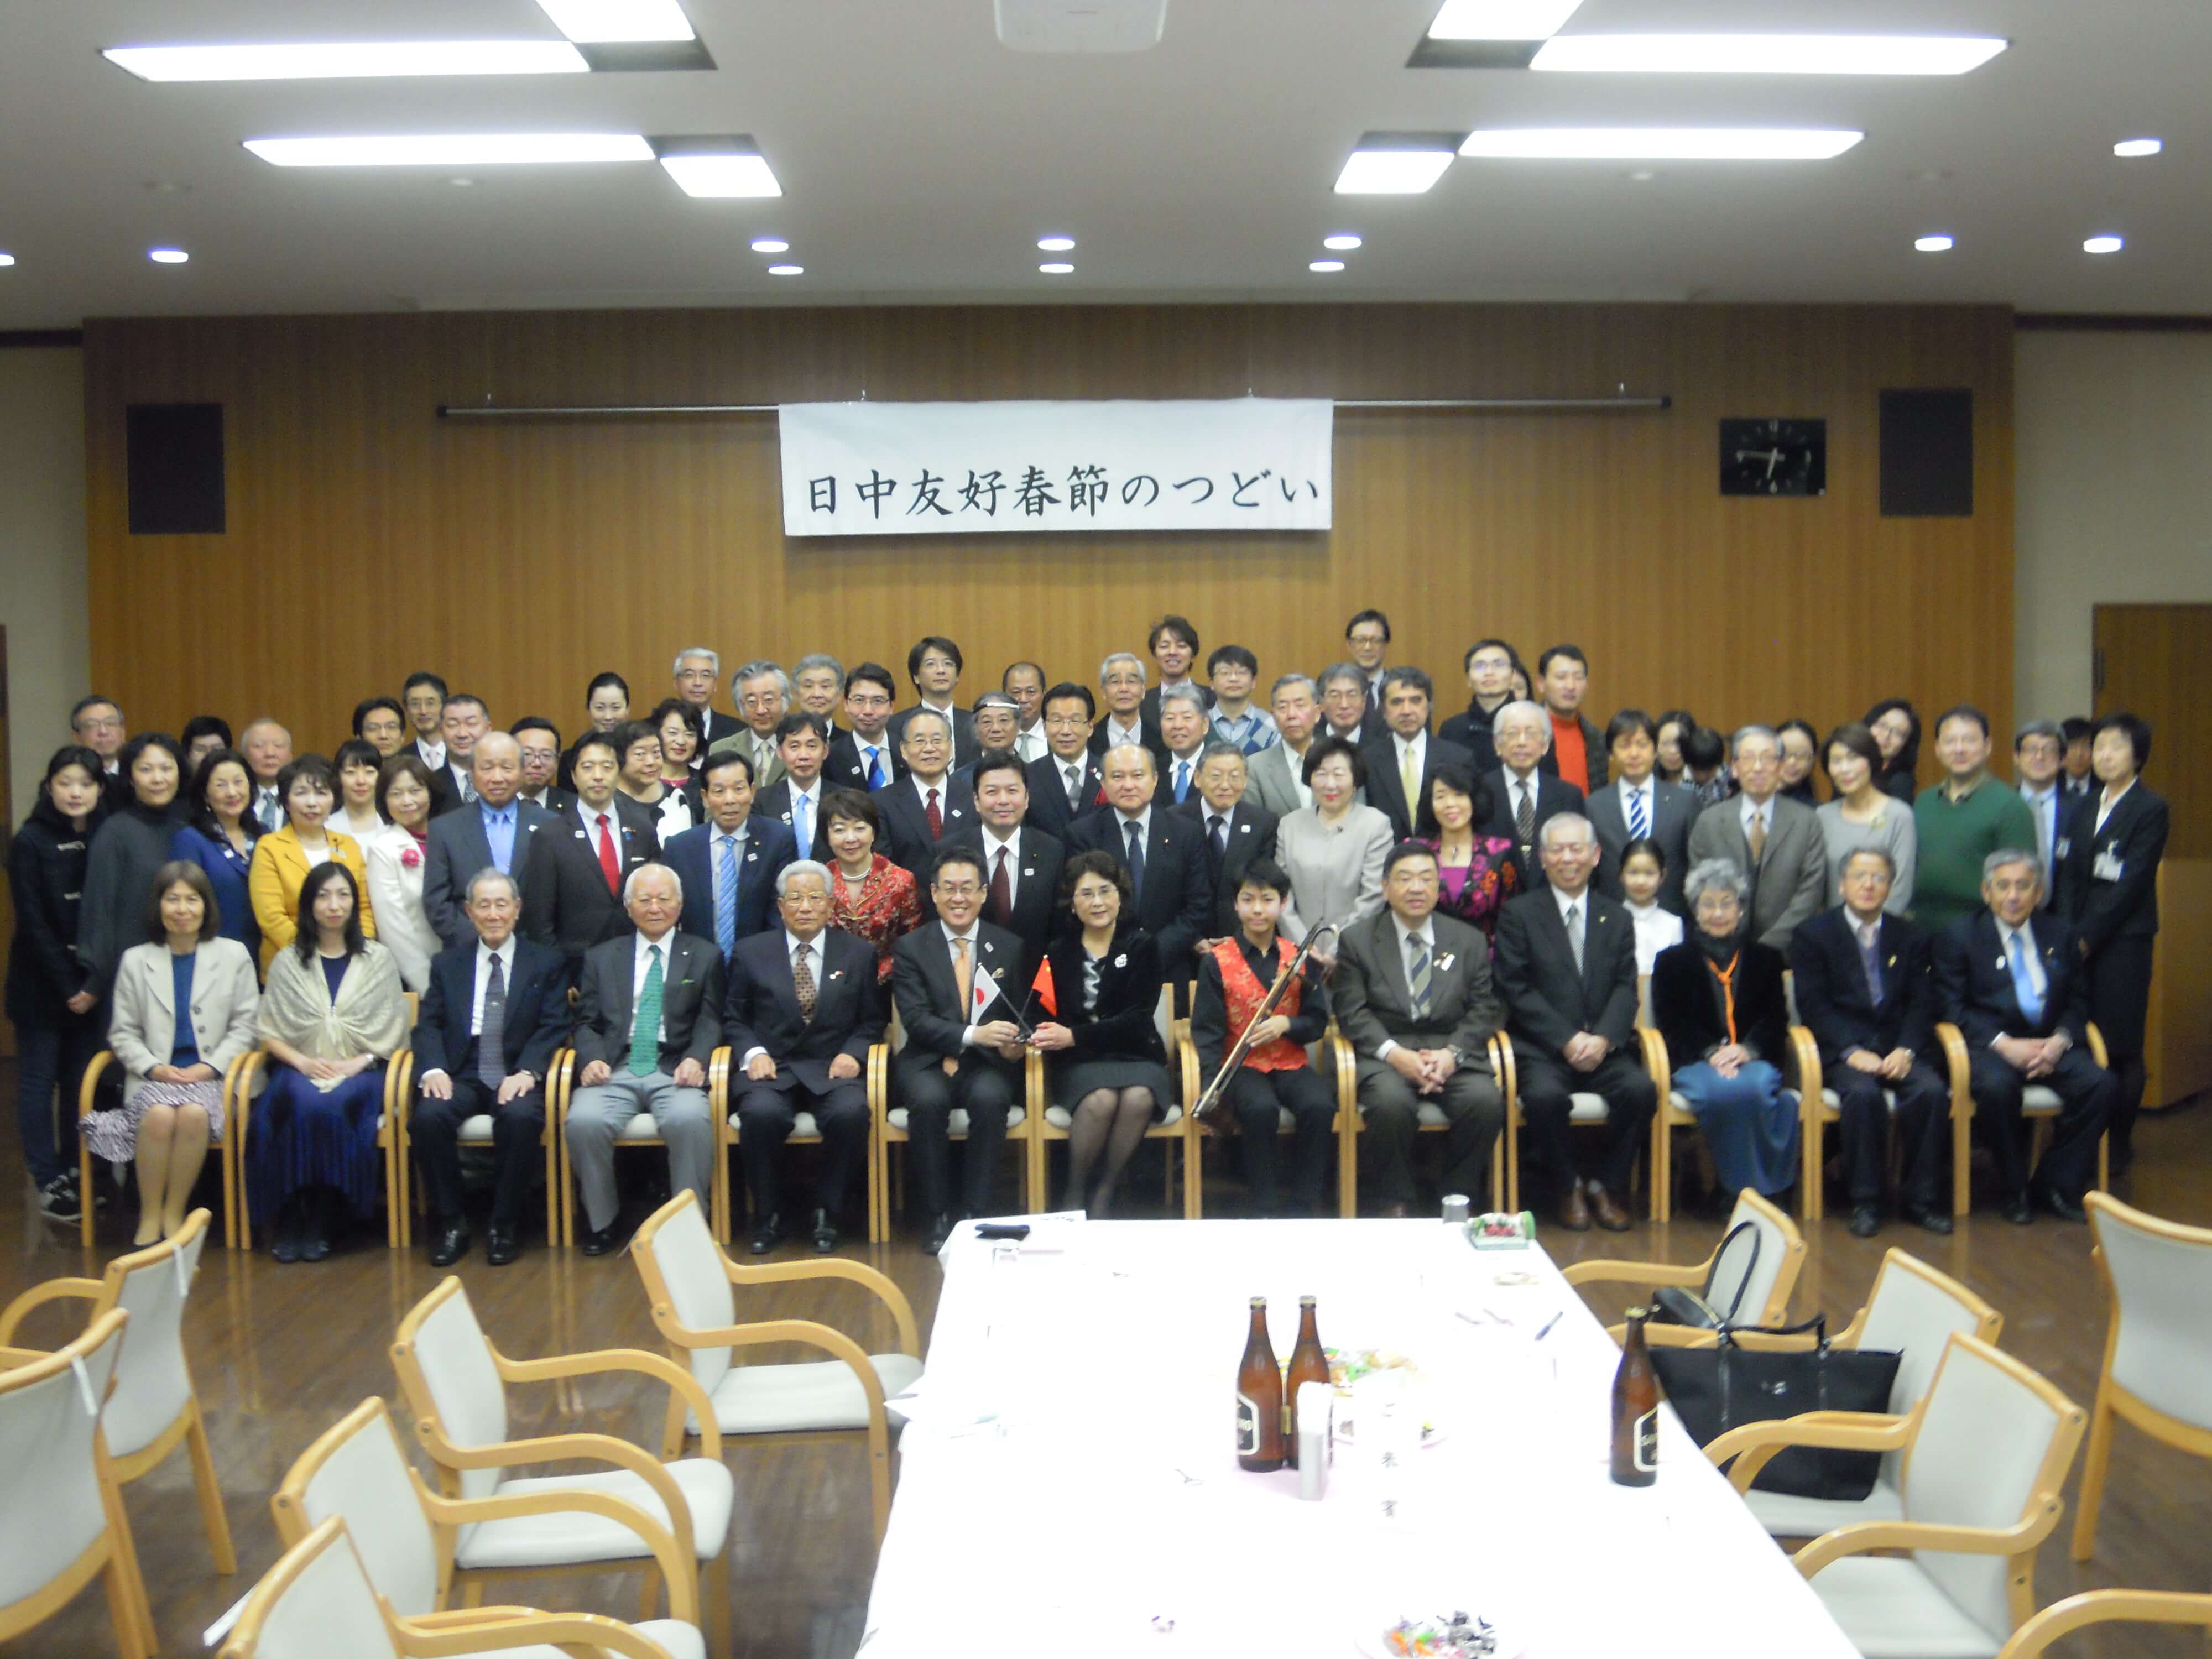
(1334, 850)
(395, 858)
(183, 1009)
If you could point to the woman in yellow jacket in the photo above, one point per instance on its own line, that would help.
(308, 788)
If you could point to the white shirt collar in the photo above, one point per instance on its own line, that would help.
(737, 835)
(1143, 820)
(921, 788)
(1764, 809)
(1415, 744)
(1426, 932)
(1513, 777)
(505, 953)
(1860, 930)
(812, 791)
(792, 942)
(1563, 899)
(950, 935)
(2029, 792)
(1118, 733)
(666, 943)
(2103, 806)
(1012, 841)
(866, 745)
(1644, 788)
(591, 816)
(2006, 931)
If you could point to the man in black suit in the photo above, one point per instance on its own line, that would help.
(495, 1009)
(1021, 867)
(1165, 854)
(464, 724)
(1184, 728)
(589, 851)
(927, 802)
(1489, 665)
(864, 757)
(496, 831)
(1638, 805)
(539, 740)
(964, 1044)
(1121, 683)
(1173, 644)
(933, 667)
(1566, 967)
(1235, 831)
(817, 686)
(423, 696)
(1367, 639)
(728, 865)
(1406, 754)
(795, 800)
(1346, 709)
(1066, 783)
(698, 671)
(652, 972)
(1527, 797)
(996, 720)
(2012, 982)
(804, 1010)
(1866, 991)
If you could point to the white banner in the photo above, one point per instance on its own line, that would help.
(866, 469)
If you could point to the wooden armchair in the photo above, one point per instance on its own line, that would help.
(399, 1103)
(1759, 1286)
(1504, 1156)
(2103, 1606)
(804, 1132)
(224, 1146)
(1052, 1119)
(2038, 1104)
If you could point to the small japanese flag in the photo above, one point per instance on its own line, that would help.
(982, 992)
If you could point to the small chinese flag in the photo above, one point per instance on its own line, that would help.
(1040, 988)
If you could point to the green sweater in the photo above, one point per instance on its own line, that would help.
(1954, 837)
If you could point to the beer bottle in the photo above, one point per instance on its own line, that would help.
(1259, 1399)
(1308, 1364)
(1635, 1408)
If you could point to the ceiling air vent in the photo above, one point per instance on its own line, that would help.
(1081, 25)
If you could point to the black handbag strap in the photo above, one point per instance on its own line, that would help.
(1743, 1279)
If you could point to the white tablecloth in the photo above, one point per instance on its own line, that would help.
(1100, 1493)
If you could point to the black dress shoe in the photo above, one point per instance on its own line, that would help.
(1927, 1218)
(315, 1234)
(285, 1244)
(451, 1244)
(599, 1242)
(2049, 1197)
(499, 1247)
(940, 1229)
(1866, 1220)
(768, 1235)
(2016, 1210)
(825, 1234)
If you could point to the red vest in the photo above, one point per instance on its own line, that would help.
(1243, 993)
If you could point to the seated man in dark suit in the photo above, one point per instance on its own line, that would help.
(864, 757)
(1165, 857)
(1566, 963)
(495, 831)
(495, 1009)
(1489, 666)
(1413, 997)
(1528, 797)
(2011, 980)
(728, 865)
(1639, 803)
(804, 1010)
(1236, 831)
(927, 803)
(1066, 780)
(1867, 991)
(1121, 683)
(648, 1020)
(963, 1043)
(1345, 711)
(1021, 866)
(1406, 754)
(588, 853)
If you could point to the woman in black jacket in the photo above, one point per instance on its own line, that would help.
(131, 845)
(58, 1025)
(1105, 990)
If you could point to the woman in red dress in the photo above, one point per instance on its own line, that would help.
(870, 897)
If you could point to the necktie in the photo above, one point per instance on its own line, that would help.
(271, 815)
(1418, 975)
(1870, 958)
(491, 1030)
(1575, 933)
(875, 765)
(468, 785)
(1075, 788)
(934, 818)
(726, 896)
(2023, 988)
(1524, 813)
(1639, 825)
(802, 981)
(1182, 780)
(1002, 890)
(1220, 829)
(1409, 780)
(645, 1022)
(1135, 840)
(610, 861)
(802, 825)
(964, 976)
(1757, 835)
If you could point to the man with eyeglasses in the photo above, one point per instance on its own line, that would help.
(865, 757)
(98, 725)
(698, 671)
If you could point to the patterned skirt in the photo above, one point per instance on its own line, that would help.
(113, 1135)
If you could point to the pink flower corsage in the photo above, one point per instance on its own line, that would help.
(411, 857)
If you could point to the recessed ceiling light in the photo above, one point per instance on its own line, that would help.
(2129, 150)
(1055, 244)
(1767, 54)
(1932, 244)
(355, 61)
(168, 256)
(725, 175)
(462, 184)
(1341, 244)
(619, 20)
(1501, 20)
(1056, 268)
(1325, 266)
(455, 149)
(770, 244)
(1640, 175)
(2103, 245)
(6, 260)
(1661, 143)
(786, 271)
(1392, 164)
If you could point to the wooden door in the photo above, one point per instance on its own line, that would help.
(2156, 661)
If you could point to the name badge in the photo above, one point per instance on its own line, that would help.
(2106, 867)
(2065, 845)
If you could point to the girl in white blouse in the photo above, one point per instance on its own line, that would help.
(1643, 869)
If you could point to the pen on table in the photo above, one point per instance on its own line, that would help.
(1548, 1323)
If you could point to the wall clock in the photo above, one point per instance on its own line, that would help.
(1774, 456)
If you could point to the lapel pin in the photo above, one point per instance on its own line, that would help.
(579, 835)
(1122, 961)
(986, 947)
(1444, 962)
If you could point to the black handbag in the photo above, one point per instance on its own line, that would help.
(1674, 1305)
(1723, 1387)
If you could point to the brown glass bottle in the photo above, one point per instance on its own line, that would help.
(1635, 1408)
(1308, 1364)
(1259, 1399)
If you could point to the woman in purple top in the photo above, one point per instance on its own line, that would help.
(1478, 872)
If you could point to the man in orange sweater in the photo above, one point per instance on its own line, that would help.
(1577, 751)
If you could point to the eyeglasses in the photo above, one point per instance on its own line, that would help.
(957, 889)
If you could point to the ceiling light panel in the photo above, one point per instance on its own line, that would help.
(2103, 245)
(713, 176)
(619, 20)
(359, 61)
(1660, 143)
(1501, 20)
(1933, 244)
(457, 149)
(1766, 54)
(2130, 149)
(1396, 163)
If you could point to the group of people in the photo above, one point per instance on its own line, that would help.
(1028, 875)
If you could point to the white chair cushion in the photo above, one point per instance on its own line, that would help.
(2037, 1101)
(1834, 1102)
(640, 1127)
(678, 1639)
(475, 1131)
(1060, 1118)
(815, 1395)
(1787, 1517)
(1586, 1109)
(544, 1540)
(803, 1126)
(956, 1120)
(1890, 1609)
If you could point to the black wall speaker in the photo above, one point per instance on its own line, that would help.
(1928, 454)
(175, 462)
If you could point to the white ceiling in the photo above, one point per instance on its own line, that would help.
(920, 160)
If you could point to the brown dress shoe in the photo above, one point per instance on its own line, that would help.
(1606, 1208)
(1574, 1209)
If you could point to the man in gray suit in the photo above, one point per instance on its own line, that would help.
(1275, 777)
(1775, 840)
(492, 832)
(1413, 998)
(1638, 803)
(649, 1010)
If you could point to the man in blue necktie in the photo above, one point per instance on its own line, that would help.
(1184, 728)
(728, 865)
(865, 757)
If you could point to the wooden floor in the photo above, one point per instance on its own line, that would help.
(279, 1352)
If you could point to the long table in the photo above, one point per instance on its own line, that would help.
(1068, 1484)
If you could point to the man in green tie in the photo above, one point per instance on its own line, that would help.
(649, 1018)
